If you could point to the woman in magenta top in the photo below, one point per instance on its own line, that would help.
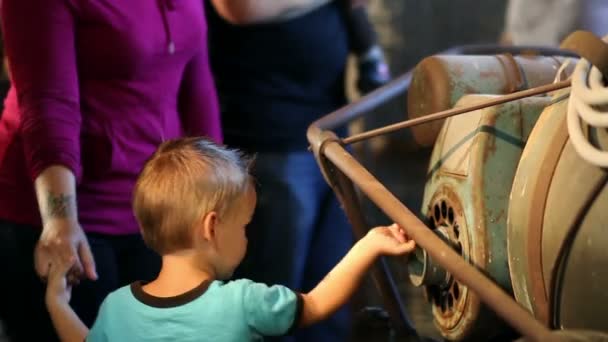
(97, 86)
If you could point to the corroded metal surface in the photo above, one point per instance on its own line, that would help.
(444, 250)
(471, 172)
(574, 236)
(353, 111)
(589, 46)
(580, 292)
(556, 228)
(451, 302)
(329, 148)
(574, 180)
(487, 290)
(527, 201)
(438, 82)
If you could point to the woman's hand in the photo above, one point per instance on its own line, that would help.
(64, 238)
(61, 235)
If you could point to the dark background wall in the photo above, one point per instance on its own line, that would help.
(410, 30)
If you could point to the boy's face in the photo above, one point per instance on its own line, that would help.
(231, 234)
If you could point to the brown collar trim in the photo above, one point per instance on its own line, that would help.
(168, 302)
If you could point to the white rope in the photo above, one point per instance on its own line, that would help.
(587, 96)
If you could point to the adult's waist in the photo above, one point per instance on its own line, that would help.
(279, 132)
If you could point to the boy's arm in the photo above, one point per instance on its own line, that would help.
(339, 285)
(68, 326)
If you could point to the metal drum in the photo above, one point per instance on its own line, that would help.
(466, 200)
(438, 82)
(557, 223)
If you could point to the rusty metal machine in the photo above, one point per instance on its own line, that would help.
(556, 238)
(514, 220)
(509, 192)
(466, 201)
(438, 82)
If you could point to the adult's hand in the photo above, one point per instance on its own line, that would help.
(64, 238)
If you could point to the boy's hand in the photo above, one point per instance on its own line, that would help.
(390, 240)
(58, 288)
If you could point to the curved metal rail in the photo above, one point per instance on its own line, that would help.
(342, 172)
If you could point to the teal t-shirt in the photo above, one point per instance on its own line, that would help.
(239, 310)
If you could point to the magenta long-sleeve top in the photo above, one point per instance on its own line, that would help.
(97, 86)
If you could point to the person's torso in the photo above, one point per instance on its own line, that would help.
(217, 315)
(274, 79)
(130, 59)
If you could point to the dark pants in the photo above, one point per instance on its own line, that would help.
(120, 260)
(298, 233)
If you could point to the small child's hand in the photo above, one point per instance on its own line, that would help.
(390, 240)
(59, 286)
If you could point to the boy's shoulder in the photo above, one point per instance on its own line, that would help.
(247, 285)
(254, 295)
(267, 309)
(121, 293)
(113, 311)
(119, 297)
(234, 289)
(234, 284)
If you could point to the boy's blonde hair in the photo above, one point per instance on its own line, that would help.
(184, 180)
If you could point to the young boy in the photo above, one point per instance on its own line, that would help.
(372, 68)
(193, 201)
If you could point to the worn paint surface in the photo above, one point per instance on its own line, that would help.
(527, 200)
(557, 221)
(490, 149)
(439, 82)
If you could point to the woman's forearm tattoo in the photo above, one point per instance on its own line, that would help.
(60, 205)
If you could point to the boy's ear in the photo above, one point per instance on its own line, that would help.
(209, 226)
